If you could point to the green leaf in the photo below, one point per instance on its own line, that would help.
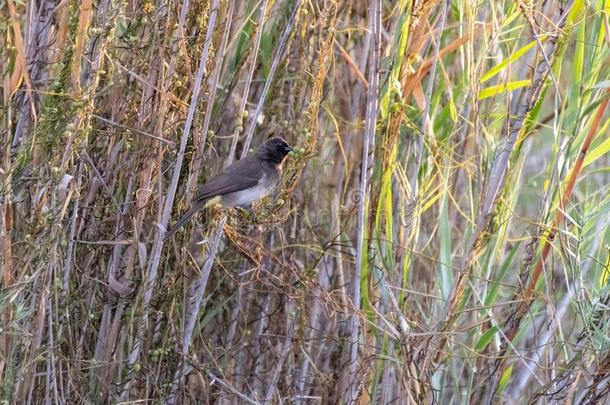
(507, 264)
(591, 107)
(453, 109)
(445, 270)
(579, 55)
(485, 339)
(505, 378)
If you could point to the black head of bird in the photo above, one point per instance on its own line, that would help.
(242, 182)
(274, 150)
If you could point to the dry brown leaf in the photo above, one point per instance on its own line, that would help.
(20, 47)
(84, 20)
(419, 96)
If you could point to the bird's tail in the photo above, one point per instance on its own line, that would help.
(183, 220)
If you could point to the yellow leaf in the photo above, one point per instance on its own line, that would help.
(501, 88)
(603, 278)
(453, 109)
(516, 55)
(600, 150)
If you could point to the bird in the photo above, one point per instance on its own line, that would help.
(243, 181)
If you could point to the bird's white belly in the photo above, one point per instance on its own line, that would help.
(247, 196)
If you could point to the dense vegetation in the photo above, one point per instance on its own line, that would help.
(441, 233)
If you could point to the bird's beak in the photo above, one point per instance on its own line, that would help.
(289, 149)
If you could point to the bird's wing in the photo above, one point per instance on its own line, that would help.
(240, 175)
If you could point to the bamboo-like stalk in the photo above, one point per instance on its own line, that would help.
(244, 96)
(527, 295)
(520, 388)
(272, 386)
(495, 183)
(270, 77)
(363, 189)
(194, 297)
(153, 265)
(197, 161)
(529, 290)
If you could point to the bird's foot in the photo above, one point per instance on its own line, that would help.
(245, 214)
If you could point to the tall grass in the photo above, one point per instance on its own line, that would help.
(440, 234)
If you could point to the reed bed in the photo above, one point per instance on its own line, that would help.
(440, 235)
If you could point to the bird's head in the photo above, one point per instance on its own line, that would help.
(274, 150)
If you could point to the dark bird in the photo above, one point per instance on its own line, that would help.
(242, 182)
